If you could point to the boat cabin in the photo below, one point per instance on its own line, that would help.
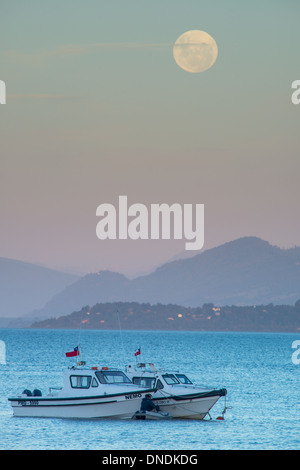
(154, 378)
(76, 380)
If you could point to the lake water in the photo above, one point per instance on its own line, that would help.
(262, 381)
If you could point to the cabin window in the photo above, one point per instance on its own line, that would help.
(95, 383)
(183, 379)
(112, 377)
(146, 382)
(80, 381)
(159, 385)
(170, 379)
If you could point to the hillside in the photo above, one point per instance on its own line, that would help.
(25, 286)
(242, 272)
(246, 271)
(88, 290)
(135, 316)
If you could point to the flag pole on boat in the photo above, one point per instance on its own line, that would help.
(80, 362)
(121, 337)
(77, 350)
(137, 353)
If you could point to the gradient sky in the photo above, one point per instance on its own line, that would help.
(97, 108)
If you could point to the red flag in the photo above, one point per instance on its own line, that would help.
(137, 352)
(73, 353)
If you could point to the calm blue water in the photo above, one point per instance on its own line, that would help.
(256, 368)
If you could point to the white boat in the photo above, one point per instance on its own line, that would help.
(175, 393)
(86, 393)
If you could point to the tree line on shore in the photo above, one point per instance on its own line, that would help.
(209, 317)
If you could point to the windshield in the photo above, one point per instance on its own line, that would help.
(112, 377)
(170, 379)
(183, 379)
(146, 382)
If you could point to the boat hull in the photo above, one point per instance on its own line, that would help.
(195, 406)
(121, 406)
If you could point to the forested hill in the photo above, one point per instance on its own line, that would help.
(144, 316)
(246, 271)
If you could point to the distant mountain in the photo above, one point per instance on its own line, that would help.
(242, 272)
(87, 291)
(25, 287)
(246, 271)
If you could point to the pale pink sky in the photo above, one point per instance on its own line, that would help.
(97, 108)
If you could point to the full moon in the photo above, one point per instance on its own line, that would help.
(195, 51)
